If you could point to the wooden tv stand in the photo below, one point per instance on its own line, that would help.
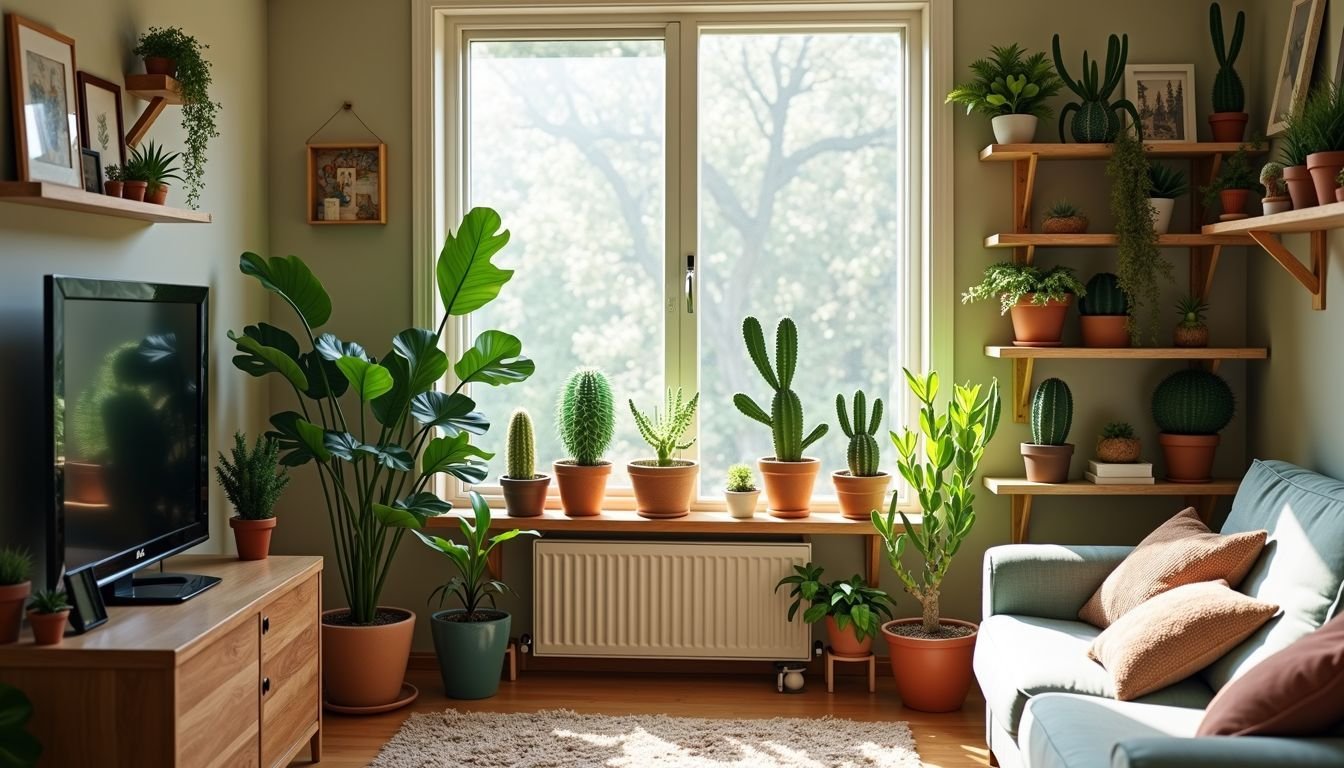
(230, 678)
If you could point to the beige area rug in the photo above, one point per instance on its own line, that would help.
(561, 739)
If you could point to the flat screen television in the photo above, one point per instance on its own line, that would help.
(126, 380)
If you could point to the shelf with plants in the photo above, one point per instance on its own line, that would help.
(49, 195)
(1266, 232)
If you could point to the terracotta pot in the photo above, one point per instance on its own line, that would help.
(48, 628)
(1047, 463)
(253, 537)
(1301, 189)
(1190, 337)
(788, 486)
(1014, 129)
(1189, 458)
(932, 675)
(158, 65)
(1064, 225)
(525, 498)
(12, 599)
(1105, 330)
(1233, 202)
(1339, 194)
(663, 492)
(859, 496)
(1119, 450)
(112, 188)
(85, 483)
(742, 504)
(1038, 325)
(1228, 127)
(364, 666)
(134, 190)
(1278, 204)
(158, 194)
(1162, 208)
(582, 489)
(1324, 167)
(845, 642)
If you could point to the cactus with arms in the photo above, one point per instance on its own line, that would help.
(786, 411)
(1228, 94)
(1051, 413)
(662, 430)
(520, 450)
(863, 454)
(1094, 116)
(587, 416)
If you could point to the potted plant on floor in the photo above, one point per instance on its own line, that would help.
(1118, 444)
(930, 655)
(524, 489)
(1191, 407)
(1048, 454)
(252, 482)
(362, 426)
(112, 184)
(1228, 120)
(48, 613)
(1064, 218)
(1166, 185)
(470, 641)
(15, 586)
(852, 610)
(1095, 118)
(789, 475)
(1140, 265)
(1013, 88)
(170, 51)
(1191, 331)
(1037, 301)
(1233, 185)
(1103, 312)
(586, 417)
(741, 492)
(1295, 143)
(863, 487)
(664, 486)
(1276, 199)
(154, 167)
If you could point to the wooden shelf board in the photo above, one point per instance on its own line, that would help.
(149, 87)
(1173, 150)
(1127, 353)
(1016, 486)
(1321, 217)
(51, 195)
(1025, 239)
(696, 522)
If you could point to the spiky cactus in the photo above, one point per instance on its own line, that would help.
(863, 454)
(1193, 402)
(1094, 115)
(1051, 413)
(662, 430)
(785, 419)
(520, 452)
(1228, 94)
(586, 416)
(1104, 296)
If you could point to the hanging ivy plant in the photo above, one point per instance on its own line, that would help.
(1140, 264)
(198, 111)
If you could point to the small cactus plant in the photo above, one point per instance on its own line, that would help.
(1193, 402)
(864, 457)
(786, 410)
(662, 430)
(741, 479)
(1228, 94)
(1118, 444)
(520, 451)
(1051, 413)
(1191, 331)
(1271, 178)
(586, 416)
(1104, 296)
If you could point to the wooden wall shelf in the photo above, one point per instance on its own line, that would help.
(159, 91)
(50, 195)
(1037, 240)
(1265, 231)
(1160, 150)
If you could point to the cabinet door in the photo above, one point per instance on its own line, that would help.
(291, 670)
(217, 701)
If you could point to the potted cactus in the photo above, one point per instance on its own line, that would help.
(789, 475)
(1037, 301)
(1103, 312)
(1191, 331)
(1048, 454)
(524, 489)
(664, 486)
(863, 487)
(1166, 184)
(741, 492)
(1094, 116)
(47, 614)
(1276, 199)
(1191, 407)
(853, 610)
(1118, 444)
(252, 482)
(586, 417)
(1064, 218)
(1228, 120)
(15, 586)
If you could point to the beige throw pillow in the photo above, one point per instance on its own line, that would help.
(1175, 635)
(1181, 551)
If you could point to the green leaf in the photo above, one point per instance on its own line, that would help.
(291, 279)
(271, 358)
(424, 503)
(453, 413)
(426, 361)
(266, 335)
(467, 280)
(393, 517)
(324, 378)
(496, 358)
(456, 456)
(313, 438)
(342, 445)
(390, 456)
(369, 380)
(815, 613)
(389, 408)
(15, 709)
(333, 349)
(286, 435)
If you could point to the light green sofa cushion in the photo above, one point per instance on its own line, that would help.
(1064, 731)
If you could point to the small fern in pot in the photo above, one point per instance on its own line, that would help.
(170, 51)
(252, 481)
(1038, 301)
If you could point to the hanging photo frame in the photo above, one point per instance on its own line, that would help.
(347, 181)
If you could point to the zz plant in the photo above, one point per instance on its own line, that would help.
(377, 430)
(198, 111)
(785, 418)
(663, 431)
(849, 602)
(863, 456)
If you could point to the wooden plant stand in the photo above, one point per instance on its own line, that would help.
(833, 657)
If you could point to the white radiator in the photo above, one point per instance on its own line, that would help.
(639, 599)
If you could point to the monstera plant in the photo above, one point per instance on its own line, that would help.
(1095, 118)
(378, 430)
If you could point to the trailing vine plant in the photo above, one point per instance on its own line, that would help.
(198, 111)
(1140, 263)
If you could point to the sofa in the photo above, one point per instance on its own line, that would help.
(1048, 705)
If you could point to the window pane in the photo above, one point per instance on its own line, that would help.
(566, 141)
(802, 200)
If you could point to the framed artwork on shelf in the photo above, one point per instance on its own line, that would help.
(91, 166)
(1163, 95)
(1299, 56)
(347, 183)
(42, 90)
(100, 122)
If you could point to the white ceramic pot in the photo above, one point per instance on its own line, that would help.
(1162, 208)
(742, 504)
(1014, 129)
(1278, 204)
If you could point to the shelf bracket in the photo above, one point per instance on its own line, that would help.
(1024, 189)
(1021, 520)
(872, 558)
(1312, 279)
(146, 119)
(1022, 369)
(1203, 265)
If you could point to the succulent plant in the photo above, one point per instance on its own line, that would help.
(1063, 209)
(49, 601)
(741, 479)
(1193, 402)
(1094, 116)
(786, 410)
(16, 565)
(1228, 94)
(1118, 444)
(1117, 430)
(1166, 182)
(1051, 413)
(1191, 330)
(586, 416)
(1104, 296)
(864, 457)
(1271, 178)
(520, 450)
(662, 430)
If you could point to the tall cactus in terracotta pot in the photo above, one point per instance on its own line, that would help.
(524, 489)
(863, 487)
(1228, 120)
(1048, 454)
(586, 417)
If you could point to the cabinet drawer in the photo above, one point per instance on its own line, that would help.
(217, 700)
(290, 669)
(288, 616)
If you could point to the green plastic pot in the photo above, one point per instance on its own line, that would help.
(471, 653)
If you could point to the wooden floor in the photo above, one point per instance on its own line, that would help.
(944, 741)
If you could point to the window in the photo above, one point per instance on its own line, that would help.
(663, 178)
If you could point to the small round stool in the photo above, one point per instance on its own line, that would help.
(832, 657)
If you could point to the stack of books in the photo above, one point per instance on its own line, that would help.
(1101, 473)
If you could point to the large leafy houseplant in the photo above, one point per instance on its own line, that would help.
(363, 421)
(198, 111)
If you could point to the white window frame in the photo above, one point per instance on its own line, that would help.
(441, 30)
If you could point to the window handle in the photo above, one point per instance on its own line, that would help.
(690, 283)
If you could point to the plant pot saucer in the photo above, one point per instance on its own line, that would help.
(1233, 216)
(408, 694)
(661, 515)
(1038, 344)
(1189, 482)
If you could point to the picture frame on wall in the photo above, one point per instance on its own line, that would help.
(1295, 66)
(101, 123)
(347, 183)
(42, 92)
(1164, 96)
(91, 170)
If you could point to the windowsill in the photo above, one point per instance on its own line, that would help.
(696, 522)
